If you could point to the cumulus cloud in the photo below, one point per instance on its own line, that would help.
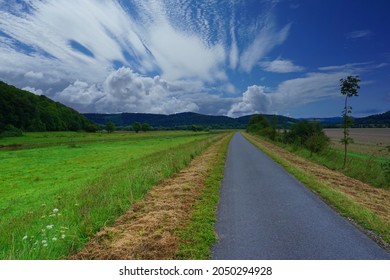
(280, 66)
(126, 91)
(312, 87)
(254, 100)
(33, 90)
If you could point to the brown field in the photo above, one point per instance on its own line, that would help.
(371, 141)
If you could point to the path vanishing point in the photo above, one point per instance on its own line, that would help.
(265, 213)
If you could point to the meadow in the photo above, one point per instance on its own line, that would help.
(58, 189)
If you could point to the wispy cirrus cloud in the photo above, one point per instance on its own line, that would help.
(267, 39)
(358, 34)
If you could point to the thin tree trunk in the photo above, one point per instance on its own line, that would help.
(345, 131)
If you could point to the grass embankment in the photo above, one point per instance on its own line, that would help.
(55, 198)
(367, 206)
(198, 236)
(156, 226)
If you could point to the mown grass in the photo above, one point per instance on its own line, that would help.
(199, 235)
(344, 204)
(54, 199)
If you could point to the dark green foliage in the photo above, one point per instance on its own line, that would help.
(110, 127)
(145, 127)
(197, 128)
(11, 131)
(29, 112)
(257, 123)
(348, 87)
(308, 135)
(137, 127)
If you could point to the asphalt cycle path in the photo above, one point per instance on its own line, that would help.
(265, 213)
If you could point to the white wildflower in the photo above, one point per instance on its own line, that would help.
(25, 237)
(54, 239)
(44, 241)
(55, 210)
(49, 226)
(63, 236)
(45, 245)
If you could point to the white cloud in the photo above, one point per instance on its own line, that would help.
(33, 90)
(34, 75)
(126, 91)
(358, 34)
(265, 41)
(280, 66)
(178, 42)
(312, 87)
(185, 56)
(254, 100)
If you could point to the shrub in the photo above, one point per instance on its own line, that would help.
(308, 135)
(11, 131)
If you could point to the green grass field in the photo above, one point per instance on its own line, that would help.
(58, 189)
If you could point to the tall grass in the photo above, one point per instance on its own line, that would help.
(366, 168)
(64, 224)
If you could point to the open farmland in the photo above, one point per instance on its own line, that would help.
(58, 189)
(369, 141)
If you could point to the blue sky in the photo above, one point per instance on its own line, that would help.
(214, 57)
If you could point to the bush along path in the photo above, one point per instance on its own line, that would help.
(151, 229)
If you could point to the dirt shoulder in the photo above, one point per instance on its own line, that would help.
(147, 230)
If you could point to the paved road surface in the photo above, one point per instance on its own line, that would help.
(264, 213)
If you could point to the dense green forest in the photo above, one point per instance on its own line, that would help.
(26, 111)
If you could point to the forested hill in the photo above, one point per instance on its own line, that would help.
(29, 112)
(186, 120)
(181, 120)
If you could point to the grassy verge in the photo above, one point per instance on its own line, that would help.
(69, 210)
(363, 167)
(198, 236)
(343, 203)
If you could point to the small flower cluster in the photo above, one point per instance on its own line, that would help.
(49, 233)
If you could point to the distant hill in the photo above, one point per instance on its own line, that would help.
(186, 120)
(379, 120)
(182, 120)
(29, 112)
